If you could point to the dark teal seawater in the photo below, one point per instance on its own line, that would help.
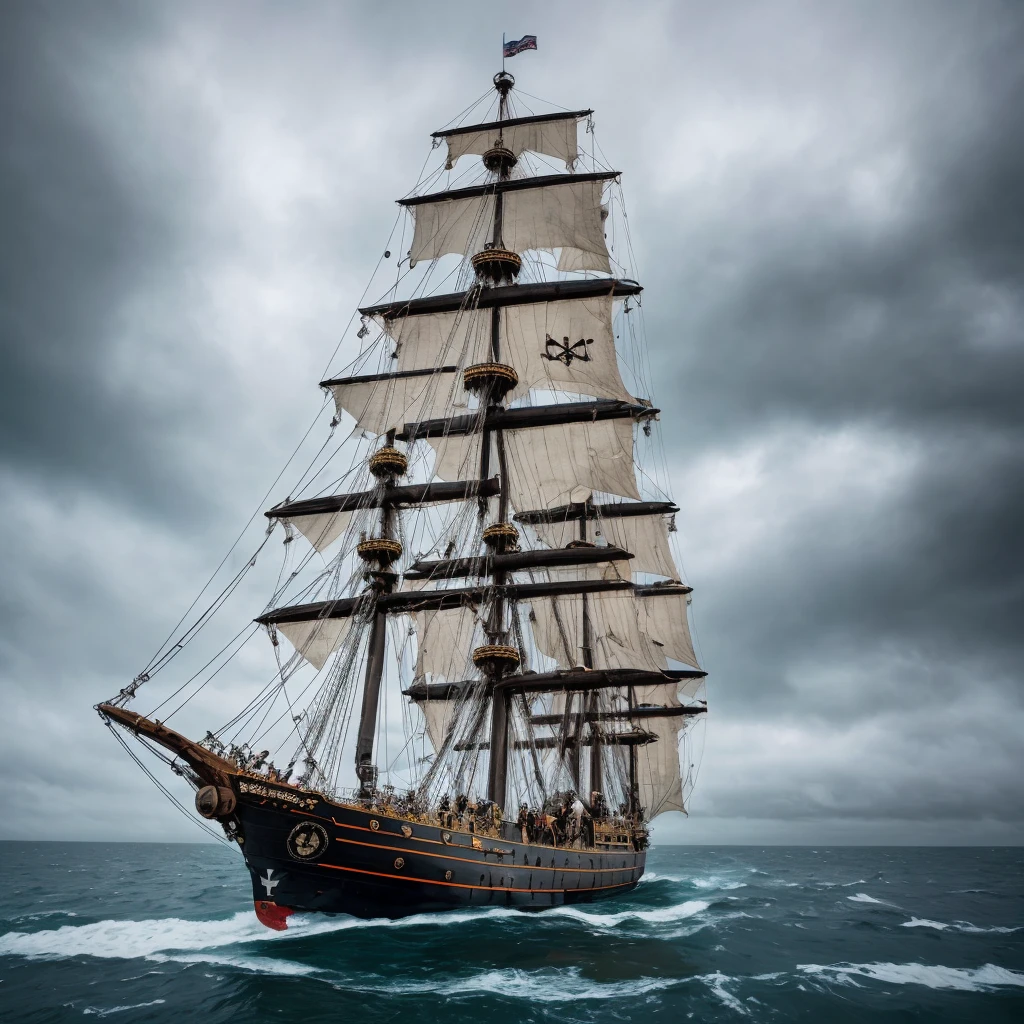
(167, 933)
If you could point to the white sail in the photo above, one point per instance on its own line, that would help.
(567, 462)
(615, 637)
(457, 456)
(546, 217)
(323, 529)
(457, 338)
(646, 537)
(657, 767)
(557, 138)
(380, 406)
(566, 345)
(665, 623)
(316, 639)
(445, 644)
(439, 715)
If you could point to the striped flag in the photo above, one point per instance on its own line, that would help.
(514, 46)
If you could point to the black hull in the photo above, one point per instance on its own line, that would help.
(368, 864)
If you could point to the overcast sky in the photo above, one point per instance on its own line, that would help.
(826, 209)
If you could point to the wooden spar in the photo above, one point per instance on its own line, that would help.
(553, 682)
(498, 188)
(407, 494)
(637, 738)
(496, 418)
(588, 510)
(503, 295)
(512, 561)
(374, 378)
(511, 122)
(439, 600)
(671, 711)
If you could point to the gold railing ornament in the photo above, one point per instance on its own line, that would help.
(500, 158)
(388, 461)
(501, 537)
(496, 659)
(490, 380)
(380, 550)
(497, 265)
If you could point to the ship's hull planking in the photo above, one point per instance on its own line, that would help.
(338, 859)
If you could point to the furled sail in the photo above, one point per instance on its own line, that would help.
(551, 134)
(539, 213)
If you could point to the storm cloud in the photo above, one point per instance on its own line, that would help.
(827, 212)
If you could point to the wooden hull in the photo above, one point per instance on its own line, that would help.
(369, 864)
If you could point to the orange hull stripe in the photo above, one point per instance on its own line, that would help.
(463, 885)
(468, 860)
(437, 842)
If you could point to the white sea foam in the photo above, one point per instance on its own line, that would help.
(255, 964)
(166, 939)
(659, 915)
(120, 1009)
(714, 882)
(130, 939)
(964, 927)
(964, 979)
(863, 897)
(716, 982)
(547, 985)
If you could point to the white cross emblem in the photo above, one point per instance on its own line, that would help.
(269, 884)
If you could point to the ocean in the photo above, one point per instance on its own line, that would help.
(146, 932)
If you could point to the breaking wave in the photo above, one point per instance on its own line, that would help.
(100, 1012)
(964, 979)
(964, 927)
(165, 938)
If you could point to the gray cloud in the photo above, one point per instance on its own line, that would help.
(826, 210)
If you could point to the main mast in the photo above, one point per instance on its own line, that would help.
(497, 266)
(558, 336)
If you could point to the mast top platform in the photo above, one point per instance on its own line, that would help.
(503, 82)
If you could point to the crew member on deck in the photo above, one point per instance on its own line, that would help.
(521, 823)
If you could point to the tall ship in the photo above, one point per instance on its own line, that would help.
(482, 683)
